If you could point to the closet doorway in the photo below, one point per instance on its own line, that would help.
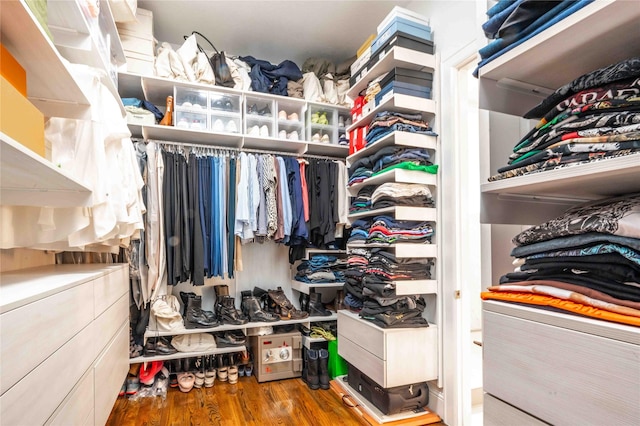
(464, 256)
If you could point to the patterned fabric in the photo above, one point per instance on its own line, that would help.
(269, 183)
(622, 70)
(618, 216)
(626, 252)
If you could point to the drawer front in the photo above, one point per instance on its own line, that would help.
(78, 406)
(48, 384)
(110, 372)
(498, 413)
(109, 288)
(368, 336)
(364, 360)
(412, 355)
(32, 332)
(108, 324)
(560, 375)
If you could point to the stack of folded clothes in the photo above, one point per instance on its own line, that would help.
(362, 202)
(389, 158)
(383, 266)
(401, 194)
(594, 117)
(357, 262)
(586, 262)
(321, 269)
(387, 230)
(390, 311)
(359, 231)
(512, 22)
(387, 122)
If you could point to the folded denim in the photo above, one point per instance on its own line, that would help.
(373, 138)
(352, 301)
(574, 241)
(389, 114)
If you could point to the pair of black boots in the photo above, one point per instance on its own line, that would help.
(193, 314)
(226, 307)
(316, 373)
(312, 303)
(252, 308)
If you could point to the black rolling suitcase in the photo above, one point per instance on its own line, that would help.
(390, 400)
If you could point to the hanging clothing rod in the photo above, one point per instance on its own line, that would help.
(227, 148)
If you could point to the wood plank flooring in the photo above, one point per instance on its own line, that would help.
(281, 402)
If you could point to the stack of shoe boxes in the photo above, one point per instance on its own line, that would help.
(138, 42)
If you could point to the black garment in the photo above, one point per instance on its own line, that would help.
(196, 262)
(231, 215)
(204, 167)
(187, 218)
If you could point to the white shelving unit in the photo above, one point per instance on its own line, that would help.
(396, 175)
(399, 103)
(564, 381)
(401, 213)
(181, 355)
(26, 179)
(306, 287)
(399, 139)
(51, 87)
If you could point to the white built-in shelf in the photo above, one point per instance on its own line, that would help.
(409, 287)
(397, 57)
(396, 175)
(602, 33)
(283, 145)
(156, 89)
(50, 85)
(130, 86)
(24, 286)
(398, 103)
(200, 137)
(226, 327)
(400, 213)
(400, 139)
(328, 149)
(306, 287)
(511, 200)
(180, 355)
(26, 179)
(402, 250)
(309, 251)
(77, 38)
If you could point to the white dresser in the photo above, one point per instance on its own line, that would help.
(65, 343)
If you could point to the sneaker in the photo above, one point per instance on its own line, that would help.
(218, 126)
(340, 121)
(293, 136)
(187, 104)
(264, 131)
(197, 125)
(325, 139)
(293, 117)
(282, 115)
(315, 137)
(231, 127)
(253, 109)
(183, 123)
(254, 131)
(282, 134)
(322, 119)
(266, 111)
(315, 117)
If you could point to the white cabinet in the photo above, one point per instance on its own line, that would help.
(541, 364)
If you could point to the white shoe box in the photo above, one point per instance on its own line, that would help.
(143, 26)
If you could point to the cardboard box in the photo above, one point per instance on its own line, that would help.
(13, 71)
(21, 120)
(365, 45)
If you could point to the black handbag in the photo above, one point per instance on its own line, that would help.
(218, 64)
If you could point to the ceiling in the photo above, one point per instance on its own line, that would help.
(272, 30)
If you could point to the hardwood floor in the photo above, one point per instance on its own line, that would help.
(282, 402)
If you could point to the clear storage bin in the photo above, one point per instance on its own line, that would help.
(191, 120)
(192, 100)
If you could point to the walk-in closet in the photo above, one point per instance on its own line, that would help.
(352, 212)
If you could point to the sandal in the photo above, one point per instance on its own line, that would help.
(233, 374)
(186, 381)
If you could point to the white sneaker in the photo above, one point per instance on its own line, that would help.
(325, 139)
(197, 125)
(282, 115)
(282, 134)
(254, 131)
(294, 117)
(231, 127)
(218, 126)
(293, 136)
(264, 131)
(340, 121)
(315, 137)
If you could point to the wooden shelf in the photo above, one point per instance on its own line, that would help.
(180, 355)
(401, 139)
(602, 33)
(176, 134)
(306, 287)
(396, 175)
(403, 250)
(399, 103)
(397, 57)
(510, 200)
(26, 179)
(51, 86)
(401, 213)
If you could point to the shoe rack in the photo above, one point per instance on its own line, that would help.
(224, 117)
